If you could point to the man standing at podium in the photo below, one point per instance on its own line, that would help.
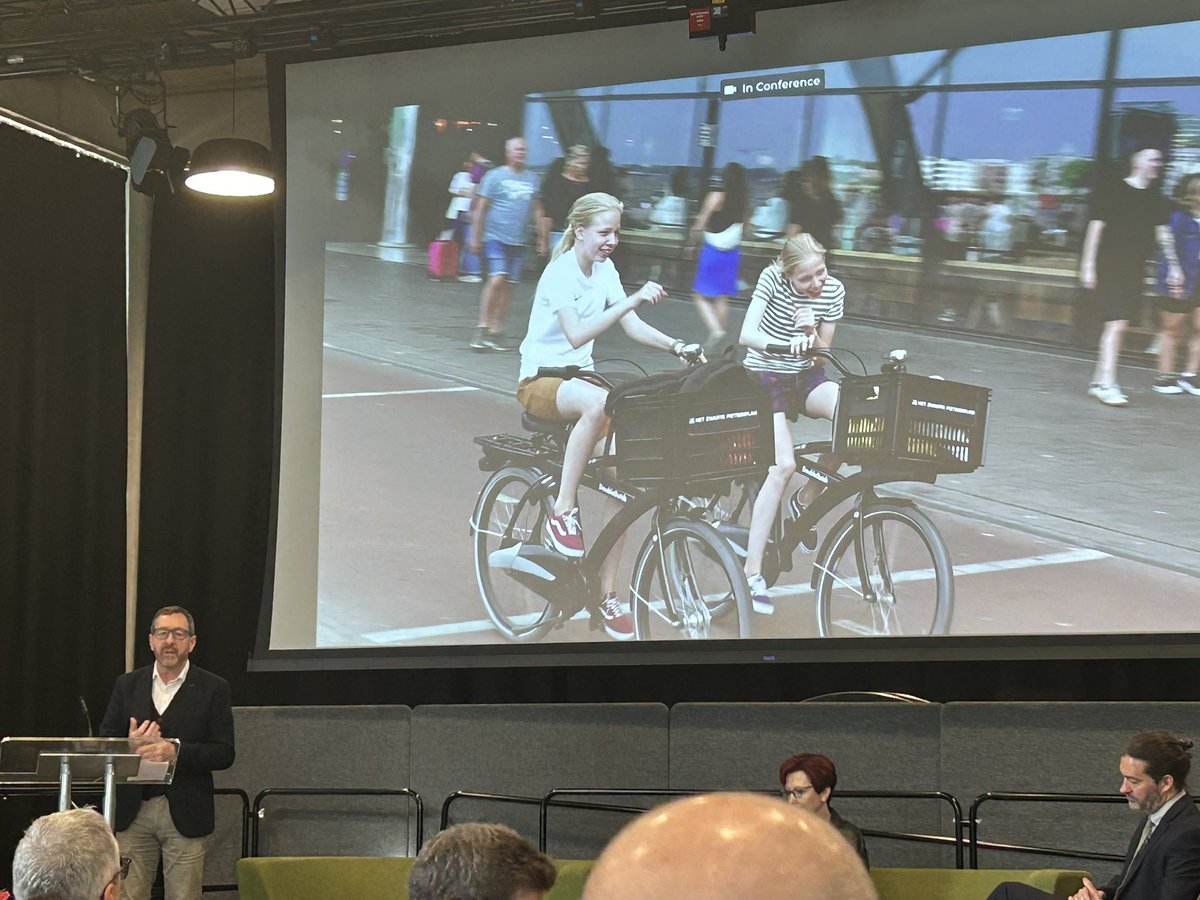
(170, 699)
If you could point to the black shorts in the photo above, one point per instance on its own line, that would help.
(1170, 304)
(1119, 295)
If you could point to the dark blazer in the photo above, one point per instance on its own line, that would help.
(1168, 867)
(201, 717)
(850, 832)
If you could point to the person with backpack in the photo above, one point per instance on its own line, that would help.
(798, 303)
(578, 297)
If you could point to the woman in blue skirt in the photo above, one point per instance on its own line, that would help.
(718, 233)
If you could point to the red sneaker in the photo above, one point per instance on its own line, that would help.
(615, 618)
(565, 534)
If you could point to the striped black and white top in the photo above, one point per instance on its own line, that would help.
(781, 303)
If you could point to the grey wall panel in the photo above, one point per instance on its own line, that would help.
(528, 750)
(326, 747)
(1060, 747)
(225, 846)
(875, 746)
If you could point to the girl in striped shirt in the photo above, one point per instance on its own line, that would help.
(798, 303)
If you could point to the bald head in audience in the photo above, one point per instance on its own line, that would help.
(718, 846)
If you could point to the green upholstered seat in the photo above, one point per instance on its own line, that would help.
(386, 878)
(968, 884)
(360, 878)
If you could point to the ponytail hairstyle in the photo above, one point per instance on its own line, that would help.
(581, 214)
(1164, 754)
(797, 250)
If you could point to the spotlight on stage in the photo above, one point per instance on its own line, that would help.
(154, 165)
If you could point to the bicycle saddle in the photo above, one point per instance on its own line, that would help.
(537, 425)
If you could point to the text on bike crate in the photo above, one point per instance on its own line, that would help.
(692, 437)
(912, 418)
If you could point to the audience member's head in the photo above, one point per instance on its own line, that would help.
(717, 846)
(1154, 769)
(480, 862)
(68, 855)
(808, 780)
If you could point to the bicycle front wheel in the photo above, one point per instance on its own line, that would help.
(506, 515)
(909, 576)
(689, 585)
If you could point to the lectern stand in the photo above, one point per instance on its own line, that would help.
(39, 762)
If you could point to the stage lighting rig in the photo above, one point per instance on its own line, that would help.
(154, 165)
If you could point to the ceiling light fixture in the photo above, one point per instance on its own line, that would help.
(231, 167)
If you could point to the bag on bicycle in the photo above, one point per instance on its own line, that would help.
(718, 378)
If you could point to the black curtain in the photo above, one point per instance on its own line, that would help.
(207, 420)
(62, 443)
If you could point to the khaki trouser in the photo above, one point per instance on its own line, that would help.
(149, 834)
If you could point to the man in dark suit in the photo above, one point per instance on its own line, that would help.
(171, 699)
(1163, 859)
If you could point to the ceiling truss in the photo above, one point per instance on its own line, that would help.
(122, 39)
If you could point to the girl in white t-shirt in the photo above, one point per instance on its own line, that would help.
(578, 298)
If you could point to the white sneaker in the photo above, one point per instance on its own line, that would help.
(759, 598)
(1108, 394)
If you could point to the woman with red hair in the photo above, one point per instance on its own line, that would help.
(808, 780)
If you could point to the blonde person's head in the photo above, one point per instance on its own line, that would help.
(799, 249)
(581, 214)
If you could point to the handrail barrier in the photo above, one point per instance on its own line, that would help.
(1019, 797)
(552, 799)
(481, 795)
(259, 813)
(34, 790)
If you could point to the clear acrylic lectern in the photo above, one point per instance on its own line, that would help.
(33, 762)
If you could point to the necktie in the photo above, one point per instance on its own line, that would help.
(1147, 830)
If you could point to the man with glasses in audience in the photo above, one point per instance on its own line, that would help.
(155, 706)
(808, 781)
(69, 855)
(1163, 859)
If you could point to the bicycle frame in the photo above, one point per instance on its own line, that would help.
(786, 534)
(636, 500)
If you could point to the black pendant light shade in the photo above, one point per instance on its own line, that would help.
(231, 167)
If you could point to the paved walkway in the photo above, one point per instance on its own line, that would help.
(1058, 463)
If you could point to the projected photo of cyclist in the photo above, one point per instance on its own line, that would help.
(962, 186)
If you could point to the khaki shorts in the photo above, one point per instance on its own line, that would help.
(539, 396)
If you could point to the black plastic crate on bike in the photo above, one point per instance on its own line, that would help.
(692, 437)
(912, 418)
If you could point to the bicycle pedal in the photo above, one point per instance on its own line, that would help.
(809, 542)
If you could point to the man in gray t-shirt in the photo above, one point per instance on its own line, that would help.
(506, 207)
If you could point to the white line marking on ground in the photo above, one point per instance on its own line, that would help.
(445, 390)
(404, 635)
(1000, 565)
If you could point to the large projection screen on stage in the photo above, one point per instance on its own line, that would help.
(964, 142)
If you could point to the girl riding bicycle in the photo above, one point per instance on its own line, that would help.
(578, 298)
(796, 302)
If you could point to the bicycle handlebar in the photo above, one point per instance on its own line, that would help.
(893, 365)
(692, 354)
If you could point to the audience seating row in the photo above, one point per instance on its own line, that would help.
(386, 878)
(961, 748)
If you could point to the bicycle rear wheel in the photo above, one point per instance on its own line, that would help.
(689, 585)
(506, 516)
(908, 568)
